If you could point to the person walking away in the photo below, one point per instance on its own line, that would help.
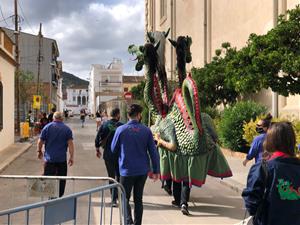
(50, 116)
(104, 138)
(133, 143)
(58, 139)
(272, 193)
(43, 121)
(82, 117)
(98, 120)
(256, 149)
(30, 120)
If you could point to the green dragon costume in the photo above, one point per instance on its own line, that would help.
(191, 151)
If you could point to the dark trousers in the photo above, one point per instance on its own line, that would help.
(136, 183)
(57, 169)
(112, 169)
(181, 192)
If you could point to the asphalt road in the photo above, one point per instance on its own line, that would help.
(214, 203)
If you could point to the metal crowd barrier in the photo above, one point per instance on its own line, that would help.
(73, 208)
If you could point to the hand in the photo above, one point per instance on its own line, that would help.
(71, 162)
(39, 154)
(245, 162)
(156, 137)
(98, 154)
(155, 176)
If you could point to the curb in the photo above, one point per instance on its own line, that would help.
(12, 152)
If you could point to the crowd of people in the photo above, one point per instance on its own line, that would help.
(130, 155)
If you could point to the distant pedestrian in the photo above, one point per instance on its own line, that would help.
(104, 117)
(82, 117)
(50, 116)
(134, 144)
(104, 138)
(30, 120)
(66, 113)
(272, 194)
(57, 138)
(43, 121)
(98, 120)
(256, 150)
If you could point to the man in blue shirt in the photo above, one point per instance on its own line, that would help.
(57, 138)
(134, 144)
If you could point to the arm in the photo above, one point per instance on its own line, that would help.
(98, 141)
(115, 143)
(39, 148)
(252, 152)
(153, 155)
(254, 192)
(71, 152)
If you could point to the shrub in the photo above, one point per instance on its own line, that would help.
(232, 120)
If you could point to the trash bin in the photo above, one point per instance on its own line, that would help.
(24, 130)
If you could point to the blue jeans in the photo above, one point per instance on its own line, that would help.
(136, 183)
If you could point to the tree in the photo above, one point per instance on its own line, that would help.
(267, 61)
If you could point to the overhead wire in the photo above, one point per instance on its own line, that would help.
(25, 18)
(4, 19)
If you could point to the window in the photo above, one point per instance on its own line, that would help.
(74, 99)
(163, 10)
(78, 100)
(126, 89)
(1, 106)
(83, 100)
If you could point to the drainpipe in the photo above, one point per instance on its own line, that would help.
(274, 94)
(209, 27)
(205, 32)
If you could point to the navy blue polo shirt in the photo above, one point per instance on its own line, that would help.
(56, 136)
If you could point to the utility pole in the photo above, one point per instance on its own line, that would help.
(39, 61)
(17, 82)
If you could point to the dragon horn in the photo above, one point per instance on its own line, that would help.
(167, 33)
(157, 46)
(174, 43)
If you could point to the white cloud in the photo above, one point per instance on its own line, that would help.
(87, 31)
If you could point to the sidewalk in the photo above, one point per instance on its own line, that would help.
(239, 179)
(9, 154)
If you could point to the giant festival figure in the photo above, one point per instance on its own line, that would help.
(187, 139)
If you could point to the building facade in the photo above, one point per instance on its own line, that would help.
(76, 98)
(106, 83)
(50, 68)
(131, 81)
(7, 90)
(211, 23)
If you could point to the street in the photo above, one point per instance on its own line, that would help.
(214, 203)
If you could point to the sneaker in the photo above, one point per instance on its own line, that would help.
(184, 209)
(175, 204)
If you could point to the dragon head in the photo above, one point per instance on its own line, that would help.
(184, 55)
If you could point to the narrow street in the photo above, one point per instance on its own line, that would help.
(212, 204)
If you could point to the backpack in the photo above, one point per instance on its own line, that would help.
(112, 129)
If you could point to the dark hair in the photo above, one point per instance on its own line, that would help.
(134, 110)
(281, 137)
(115, 112)
(266, 122)
(53, 110)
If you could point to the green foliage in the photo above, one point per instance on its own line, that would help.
(138, 91)
(267, 61)
(213, 85)
(26, 79)
(249, 130)
(212, 112)
(232, 120)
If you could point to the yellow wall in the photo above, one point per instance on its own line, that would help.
(7, 79)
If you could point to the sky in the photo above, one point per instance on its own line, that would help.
(87, 31)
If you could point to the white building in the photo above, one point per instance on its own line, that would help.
(7, 90)
(105, 84)
(76, 98)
